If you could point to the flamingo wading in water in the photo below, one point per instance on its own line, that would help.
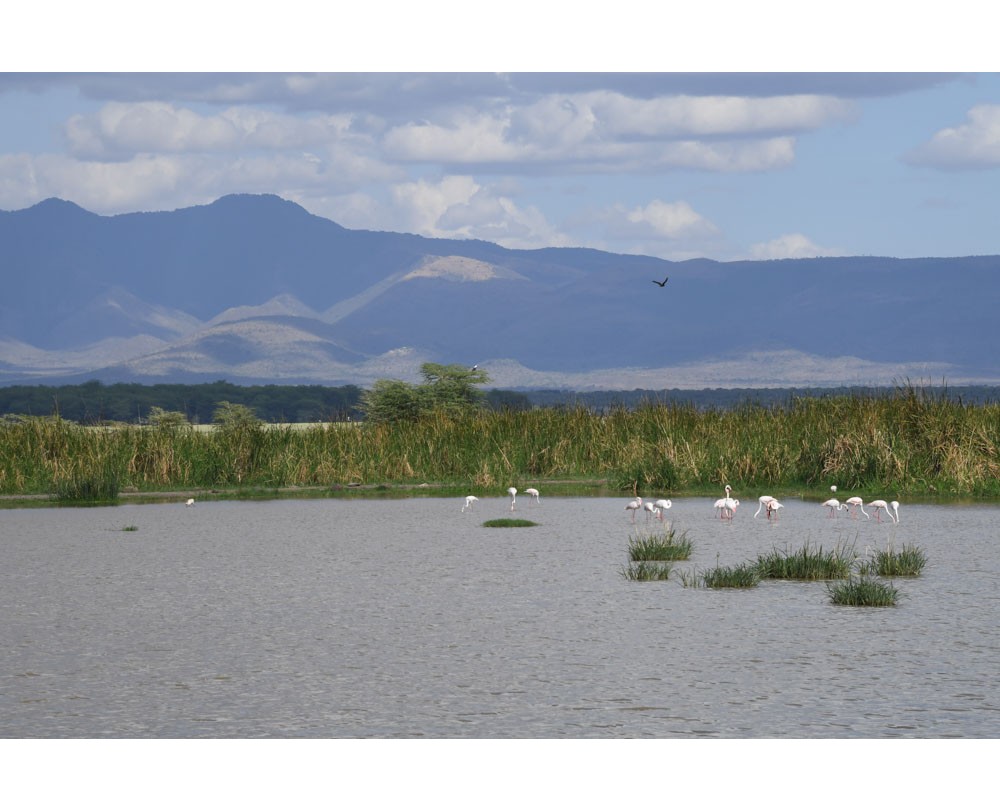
(512, 492)
(855, 503)
(635, 504)
(531, 491)
(764, 500)
(727, 506)
(834, 506)
(470, 502)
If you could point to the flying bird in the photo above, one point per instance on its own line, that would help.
(663, 283)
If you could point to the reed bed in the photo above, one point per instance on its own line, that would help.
(741, 576)
(863, 591)
(807, 563)
(667, 545)
(646, 570)
(509, 522)
(913, 442)
(909, 561)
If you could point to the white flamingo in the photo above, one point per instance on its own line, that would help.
(834, 506)
(651, 509)
(661, 505)
(879, 504)
(189, 502)
(855, 503)
(764, 500)
(727, 506)
(512, 492)
(470, 502)
(635, 504)
(531, 491)
(772, 509)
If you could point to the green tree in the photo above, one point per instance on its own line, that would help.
(234, 417)
(167, 420)
(448, 389)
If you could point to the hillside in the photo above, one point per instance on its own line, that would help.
(254, 289)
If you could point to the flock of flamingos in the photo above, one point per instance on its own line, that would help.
(726, 506)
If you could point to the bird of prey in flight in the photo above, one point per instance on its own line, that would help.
(661, 284)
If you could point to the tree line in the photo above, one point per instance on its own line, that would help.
(451, 387)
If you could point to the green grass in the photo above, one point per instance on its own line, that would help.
(807, 563)
(509, 522)
(909, 561)
(863, 591)
(646, 570)
(912, 443)
(130, 528)
(665, 545)
(742, 576)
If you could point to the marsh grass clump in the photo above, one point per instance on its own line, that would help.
(909, 561)
(94, 488)
(660, 546)
(742, 576)
(863, 591)
(807, 564)
(646, 570)
(509, 522)
(130, 528)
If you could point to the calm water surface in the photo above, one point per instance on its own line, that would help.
(407, 618)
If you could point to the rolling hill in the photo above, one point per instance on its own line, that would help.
(255, 289)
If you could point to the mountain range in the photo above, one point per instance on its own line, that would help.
(255, 289)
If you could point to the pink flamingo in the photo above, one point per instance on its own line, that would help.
(661, 505)
(635, 504)
(512, 492)
(834, 505)
(763, 504)
(855, 503)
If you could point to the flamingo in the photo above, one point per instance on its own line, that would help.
(661, 505)
(855, 503)
(635, 504)
(764, 501)
(651, 509)
(189, 502)
(470, 502)
(878, 505)
(834, 505)
(772, 507)
(531, 491)
(512, 492)
(727, 506)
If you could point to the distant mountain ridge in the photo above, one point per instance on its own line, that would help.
(253, 288)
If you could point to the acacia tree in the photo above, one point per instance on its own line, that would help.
(449, 389)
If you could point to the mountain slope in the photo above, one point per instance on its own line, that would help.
(254, 288)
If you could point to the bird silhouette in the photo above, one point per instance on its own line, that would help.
(663, 283)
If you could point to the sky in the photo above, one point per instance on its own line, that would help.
(629, 134)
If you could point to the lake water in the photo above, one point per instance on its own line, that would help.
(406, 618)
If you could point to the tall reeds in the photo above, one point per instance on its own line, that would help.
(911, 442)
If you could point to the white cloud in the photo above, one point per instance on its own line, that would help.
(693, 116)
(604, 132)
(790, 246)
(457, 207)
(158, 127)
(972, 145)
(658, 220)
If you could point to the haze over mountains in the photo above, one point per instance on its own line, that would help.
(254, 289)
